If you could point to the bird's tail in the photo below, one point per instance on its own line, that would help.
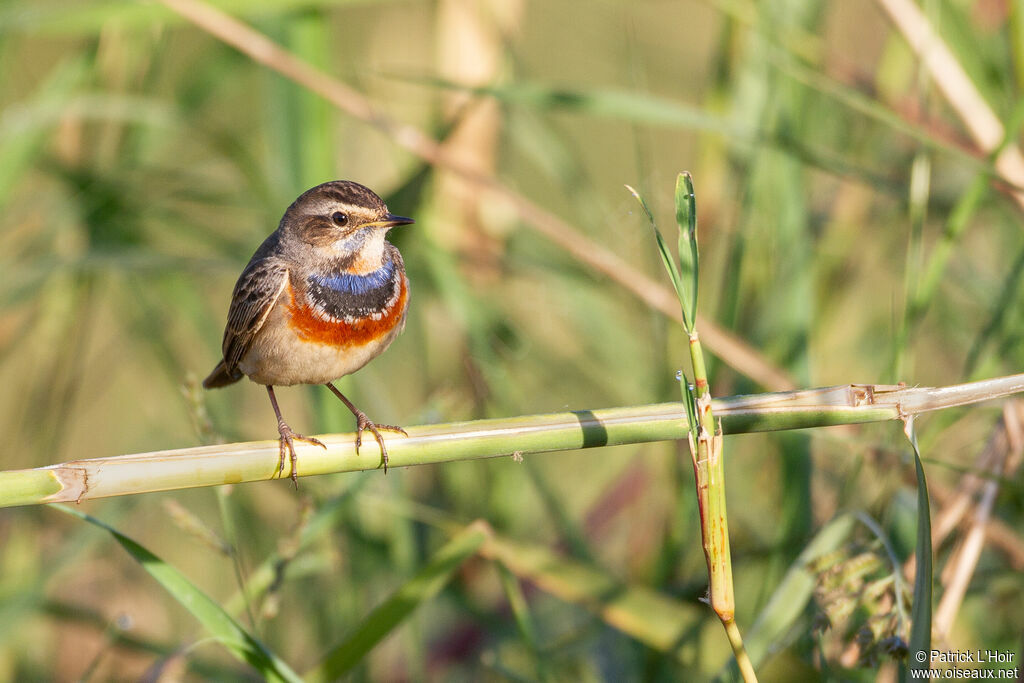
(221, 376)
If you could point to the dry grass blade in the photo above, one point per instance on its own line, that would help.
(229, 633)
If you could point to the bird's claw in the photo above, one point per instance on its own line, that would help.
(363, 423)
(287, 448)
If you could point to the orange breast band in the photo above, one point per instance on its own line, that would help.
(312, 327)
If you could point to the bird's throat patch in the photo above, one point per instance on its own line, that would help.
(353, 284)
(349, 296)
(349, 310)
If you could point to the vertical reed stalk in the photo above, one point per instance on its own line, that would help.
(709, 475)
(705, 437)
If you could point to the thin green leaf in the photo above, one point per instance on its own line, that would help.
(554, 503)
(419, 589)
(638, 107)
(921, 612)
(690, 401)
(1001, 322)
(524, 621)
(667, 259)
(218, 622)
(689, 265)
(932, 273)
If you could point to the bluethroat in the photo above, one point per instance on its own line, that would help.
(324, 295)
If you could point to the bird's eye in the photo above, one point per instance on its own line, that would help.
(339, 218)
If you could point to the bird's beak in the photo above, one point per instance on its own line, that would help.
(390, 221)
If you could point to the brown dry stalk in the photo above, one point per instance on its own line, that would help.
(999, 534)
(962, 564)
(1000, 456)
(958, 504)
(952, 81)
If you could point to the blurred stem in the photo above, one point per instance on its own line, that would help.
(230, 534)
(733, 632)
(933, 271)
(524, 622)
(920, 180)
(999, 310)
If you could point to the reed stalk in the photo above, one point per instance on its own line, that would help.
(234, 463)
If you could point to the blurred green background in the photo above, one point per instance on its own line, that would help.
(142, 161)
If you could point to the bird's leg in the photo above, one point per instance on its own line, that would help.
(288, 437)
(363, 422)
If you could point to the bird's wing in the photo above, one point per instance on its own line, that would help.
(257, 290)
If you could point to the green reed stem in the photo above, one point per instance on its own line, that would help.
(706, 449)
(427, 444)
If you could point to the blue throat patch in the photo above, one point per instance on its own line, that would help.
(356, 284)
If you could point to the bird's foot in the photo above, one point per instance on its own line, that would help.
(363, 422)
(288, 438)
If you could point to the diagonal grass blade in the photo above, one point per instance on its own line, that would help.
(218, 622)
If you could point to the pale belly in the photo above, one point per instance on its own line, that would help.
(278, 357)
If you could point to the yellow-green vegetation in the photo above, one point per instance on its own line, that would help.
(860, 222)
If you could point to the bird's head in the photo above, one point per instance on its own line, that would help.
(343, 221)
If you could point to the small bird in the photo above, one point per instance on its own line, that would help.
(324, 295)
